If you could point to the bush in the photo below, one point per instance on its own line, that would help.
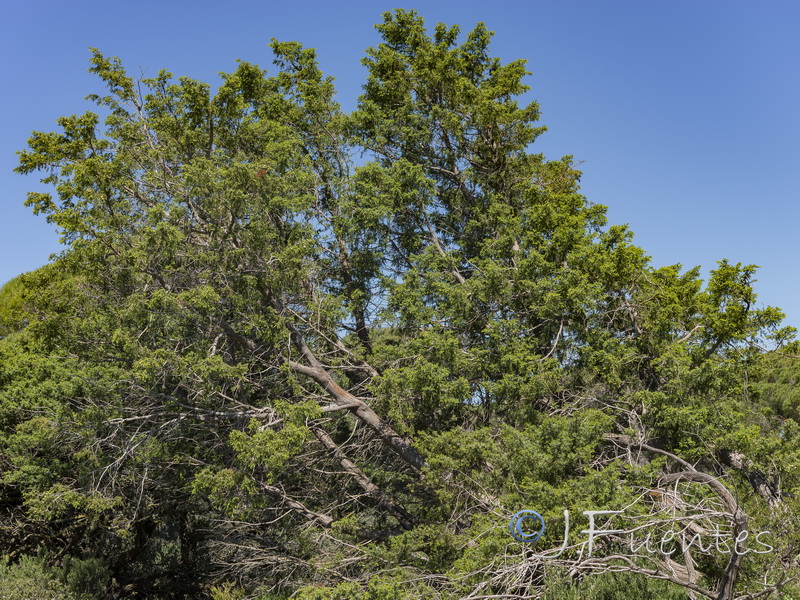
(31, 579)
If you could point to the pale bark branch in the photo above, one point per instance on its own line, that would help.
(397, 511)
(397, 443)
(768, 491)
(322, 519)
(316, 371)
(435, 239)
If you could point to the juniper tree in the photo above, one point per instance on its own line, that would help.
(318, 348)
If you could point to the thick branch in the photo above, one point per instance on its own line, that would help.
(320, 518)
(727, 583)
(316, 371)
(762, 486)
(363, 480)
(435, 239)
(631, 443)
(397, 443)
(324, 520)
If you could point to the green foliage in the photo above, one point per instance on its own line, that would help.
(33, 579)
(227, 591)
(30, 579)
(14, 314)
(85, 577)
(779, 385)
(611, 586)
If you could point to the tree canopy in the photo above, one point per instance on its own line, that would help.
(293, 351)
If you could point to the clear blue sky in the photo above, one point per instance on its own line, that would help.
(685, 114)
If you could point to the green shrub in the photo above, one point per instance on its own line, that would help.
(31, 579)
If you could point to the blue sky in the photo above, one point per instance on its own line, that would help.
(685, 115)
